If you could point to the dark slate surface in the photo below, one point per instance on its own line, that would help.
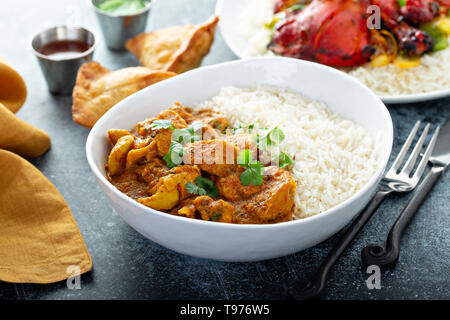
(128, 266)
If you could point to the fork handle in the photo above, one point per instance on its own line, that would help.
(302, 290)
(386, 258)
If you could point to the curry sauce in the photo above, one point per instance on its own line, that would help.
(186, 163)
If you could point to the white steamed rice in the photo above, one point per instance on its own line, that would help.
(431, 75)
(334, 157)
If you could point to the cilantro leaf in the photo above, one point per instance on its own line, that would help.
(182, 136)
(188, 134)
(244, 157)
(203, 186)
(208, 185)
(175, 155)
(253, 174)
(162, 124)
(284, 160)
(193, 189)
(268, 138)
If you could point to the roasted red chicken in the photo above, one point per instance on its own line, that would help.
(336, 33)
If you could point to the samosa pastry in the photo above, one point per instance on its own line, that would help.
(177, 49)
(97, 89)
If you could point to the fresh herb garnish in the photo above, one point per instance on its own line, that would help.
(268, 138)
(244, 157)
(162, 124)
(175, 155)
(179, 138)
(253, 173)
(188, 134)
(216, 217)
(401, 3)
(284, 160)
(203, 186)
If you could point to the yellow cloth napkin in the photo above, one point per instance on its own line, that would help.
(39, 239)
(13, 90)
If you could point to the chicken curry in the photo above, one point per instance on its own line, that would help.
(193, 164)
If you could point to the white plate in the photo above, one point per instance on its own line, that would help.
(229, 11)
(238, 242)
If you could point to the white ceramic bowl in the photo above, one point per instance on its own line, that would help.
(232, 242)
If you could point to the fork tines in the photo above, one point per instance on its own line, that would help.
(406, 170)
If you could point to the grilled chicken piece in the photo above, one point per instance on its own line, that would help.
(418, 11)
(215, 210)
(315, 33)
(412, 41)
(216, 157)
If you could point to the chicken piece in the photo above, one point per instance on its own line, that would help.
(275, 202)
(144, 128)
(184, 112)
(244, 141)
(163, 137)
(216, 157)
(189, 174)
(419, 11)
(212, 118)
(117, 156)
(136, 155)
(152, 171)
(165, 198)
(315, 33)
(115, 134)
(163, 140)
(171, 188)
(231, 188)
(412, 41)
(215, 210)
(186, 209)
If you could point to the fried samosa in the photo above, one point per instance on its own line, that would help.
(177, 49)
(97, 89)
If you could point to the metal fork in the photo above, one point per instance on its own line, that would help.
(396, 180)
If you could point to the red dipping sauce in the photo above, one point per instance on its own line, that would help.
(64, 49)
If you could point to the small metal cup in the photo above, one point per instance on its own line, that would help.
(117, 29)
(61, 73)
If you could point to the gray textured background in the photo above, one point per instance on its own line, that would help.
(128, 266)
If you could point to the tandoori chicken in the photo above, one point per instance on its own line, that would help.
(338, 33)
